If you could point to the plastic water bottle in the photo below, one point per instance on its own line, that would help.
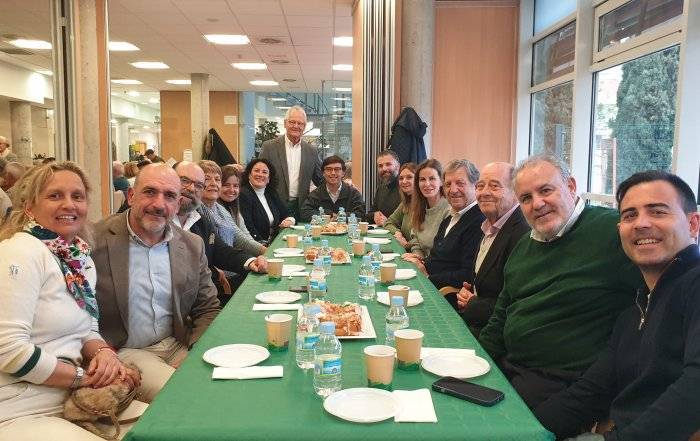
(396, 318)
(376, 258)
(307, 231)
(320, 216)
(307, 336)
(353, 233)
(328, 361)
(365, 290)
(352, 219)
(307, 243)
(317, 281)
(325, 254)
(342, 217)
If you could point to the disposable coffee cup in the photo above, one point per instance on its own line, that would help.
(399, 290)
(363, 227)
(274, 269)
(292, 240)
(358, 247)
(408, 346)
(387, 275)
(379, 360)
(316, 231)
(326, 218)
(279, 327)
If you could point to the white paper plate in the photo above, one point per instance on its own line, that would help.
(458, 366)
(388, 257)
(414, 297)
(281, 297)
(378, 231)
(362, 405)
(405, 273)
(367, 330)
(288, 252)
(298, 227)
(236, 355)
(379, 240)
(287, 270)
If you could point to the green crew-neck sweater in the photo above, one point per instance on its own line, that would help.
(560, 299)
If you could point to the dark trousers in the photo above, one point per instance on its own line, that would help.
(293, 207)
(536, 385)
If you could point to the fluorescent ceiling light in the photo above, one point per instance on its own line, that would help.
(179, 82)
(150, 65)
(284, 107)
(227, 39)
(147, 127)
(31, 44)
(133, 93)
(264, 83)
(249, 66)
(48, 73)
(277, 99)
(342, 67)
(126, 81)
(113, 121)
(342, 41)
(154, 101)
(122, 46)
(342, 89)
(341, 99)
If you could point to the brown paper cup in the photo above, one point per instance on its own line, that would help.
(387, 275)
(326, 218)
(292, 240)
(274, 269)
(363, 227)
(379, 360)
(408, 346)
(398, 290)
(358, 247)
(316, 231)
(279, 327)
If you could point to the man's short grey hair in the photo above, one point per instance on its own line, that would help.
(15, 169)
(295, 109)
(468, 166)
(552, 160)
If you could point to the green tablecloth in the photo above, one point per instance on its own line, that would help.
(192, 406)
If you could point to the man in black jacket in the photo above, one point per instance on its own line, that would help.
(387, 197)
(647, 379)
(333, 194)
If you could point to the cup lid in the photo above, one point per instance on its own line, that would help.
(397, 301)
(327, 327)
(324, 243)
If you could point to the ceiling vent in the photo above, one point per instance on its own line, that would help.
(289, 80)
(279, 61)
(269, 40)
(16, 51)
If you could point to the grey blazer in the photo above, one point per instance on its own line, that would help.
(275, 152)
(194, 296)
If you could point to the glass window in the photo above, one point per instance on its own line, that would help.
(634, 118)
(635, 18)
(554, 55)
(550, 128)
(548, 12)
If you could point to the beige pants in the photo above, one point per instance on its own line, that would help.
(32, 412)
(157, 363)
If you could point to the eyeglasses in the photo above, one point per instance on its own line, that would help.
(186, 182)
(296, 123)
(333, 169)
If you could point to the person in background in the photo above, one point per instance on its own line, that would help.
(334, 194)
(347, 179)
(6, 151)
(563, 285)
(13, 173)
(130, 172)
(647, 379)
(387, 196)
(151, 156)
(231, 177)
(296, 162)
(120, 182)
(503, 227)
(428, 208)
(49, 337)
(399, 223)
(5, 205)
(263, 211)
(457, 239)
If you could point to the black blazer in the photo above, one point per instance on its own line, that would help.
(489, 280)
(219, 253)
(255, 216)
(451, 261)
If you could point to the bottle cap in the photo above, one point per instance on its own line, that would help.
(318, 261)
(366, 260)
(312, 309)
(324, 243)
(375, 247)
(397, 301)
(327, 327)
(308, 239)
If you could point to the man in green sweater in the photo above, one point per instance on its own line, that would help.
(564, 285)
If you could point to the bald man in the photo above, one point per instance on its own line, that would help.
(503, 227)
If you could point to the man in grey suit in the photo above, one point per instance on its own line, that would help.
(296, 162)
(155, 292)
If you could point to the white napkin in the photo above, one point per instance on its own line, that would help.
(246, 373)
(388, 257)
(416, 406)
(295, 274)
(276, 307)
(429, 352)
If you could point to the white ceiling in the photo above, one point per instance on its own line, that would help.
(172, 31)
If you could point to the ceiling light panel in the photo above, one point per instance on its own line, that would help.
(126, 81)
(342, 89)
(31, 44)
(342, 67)
(150, 65)
(179, 82)
(122, 46)
(264, 83)
(342, 41)
(249, 66)
(227, 39)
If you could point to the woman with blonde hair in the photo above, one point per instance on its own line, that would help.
(399, 223)
(49, 339)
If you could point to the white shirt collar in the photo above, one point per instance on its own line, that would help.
(192, 218)
(578, 209)
(462, 211)
(288, 142)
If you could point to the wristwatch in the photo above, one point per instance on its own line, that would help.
(79, 373)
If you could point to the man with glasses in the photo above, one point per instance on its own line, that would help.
(296, 162)
(333, 195)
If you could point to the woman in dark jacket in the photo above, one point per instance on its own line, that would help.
(263, 211)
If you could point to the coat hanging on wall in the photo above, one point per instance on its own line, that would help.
(215, 149)
(407, 136)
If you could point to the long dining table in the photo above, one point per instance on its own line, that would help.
(192, 406)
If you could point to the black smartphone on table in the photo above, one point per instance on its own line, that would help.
(475, 393)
